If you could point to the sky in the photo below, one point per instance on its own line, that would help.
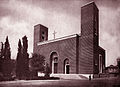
(18, 18)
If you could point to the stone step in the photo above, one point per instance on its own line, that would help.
(70, 76)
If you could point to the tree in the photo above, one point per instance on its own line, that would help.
(37, 63)
(6, 63)
(7, 49)
(47, 70)
(19, 60)
(22, 66)
(25, 56)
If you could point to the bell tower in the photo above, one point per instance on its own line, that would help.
(89, 37)
(40, 34)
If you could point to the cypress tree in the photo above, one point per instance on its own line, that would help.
(7, 49)
(25, 57)
(6, 65)
(1, 57)
(22, 66)
(19, 61)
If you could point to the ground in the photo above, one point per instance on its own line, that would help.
(111, 82)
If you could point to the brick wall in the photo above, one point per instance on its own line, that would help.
(64, 48)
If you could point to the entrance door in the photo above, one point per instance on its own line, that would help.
(54, 62)
(67, 69)
(55, 67)
(66, 66)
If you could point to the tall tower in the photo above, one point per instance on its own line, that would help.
(89, 37)
(40, 35)
(118, 62)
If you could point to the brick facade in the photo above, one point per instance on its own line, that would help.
(64, 48)
(81, 51)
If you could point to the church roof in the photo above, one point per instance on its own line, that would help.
(88, 3)
(58, 39)
(92, 2)
(101, 48)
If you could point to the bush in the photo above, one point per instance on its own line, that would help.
(37, 62)
(1, 77)
(47, 70)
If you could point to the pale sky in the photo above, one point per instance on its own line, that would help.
(18, 17)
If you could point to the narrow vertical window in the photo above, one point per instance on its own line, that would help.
(100, 63)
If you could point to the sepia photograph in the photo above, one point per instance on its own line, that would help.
(59, 43)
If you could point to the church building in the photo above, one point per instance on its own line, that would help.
(73, 54)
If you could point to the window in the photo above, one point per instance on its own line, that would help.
(96, 29)
(96, 62)
(100, 63)
(43, 36)
(43, 32)
(55, 60)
